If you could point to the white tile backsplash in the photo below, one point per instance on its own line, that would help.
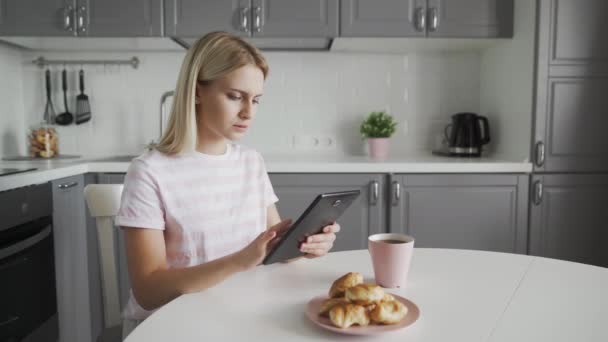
(507, 80)
(12, 127)
(308, 96)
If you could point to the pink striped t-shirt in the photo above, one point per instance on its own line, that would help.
(209, 206)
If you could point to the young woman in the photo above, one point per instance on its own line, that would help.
(198, 208)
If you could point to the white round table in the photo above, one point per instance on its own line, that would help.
(463, 295)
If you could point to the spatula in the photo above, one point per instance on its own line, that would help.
(83, 108)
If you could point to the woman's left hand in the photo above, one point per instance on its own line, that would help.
(320, 244)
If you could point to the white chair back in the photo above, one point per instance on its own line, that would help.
(103, 201)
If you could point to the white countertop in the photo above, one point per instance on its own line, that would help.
(48, 170)
(407, 164)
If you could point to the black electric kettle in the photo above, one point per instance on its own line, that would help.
(467, 133)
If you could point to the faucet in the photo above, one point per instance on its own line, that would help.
(162, 117)
(163, 99)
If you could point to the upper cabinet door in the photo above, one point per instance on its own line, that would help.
(573, 125)
(117, 18)
(294, 18)
(572, 78)
(194, 18)
(36, 17)
(382, 18)
(469, 18)
(576, 31)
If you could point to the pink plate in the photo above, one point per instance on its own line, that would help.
(312, 312)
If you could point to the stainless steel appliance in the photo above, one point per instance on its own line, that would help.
(28, 304)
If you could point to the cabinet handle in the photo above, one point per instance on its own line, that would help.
(419, 19)
(540, 154)
(245, 19)
(396, 193)
(257, 19)
(374, 192)
(67, 185)
(81, 20)
(433, 19)
(538, 192)
(68, 12)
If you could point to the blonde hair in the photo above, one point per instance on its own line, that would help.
(211, 57)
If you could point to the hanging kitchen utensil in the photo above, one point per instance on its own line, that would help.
(66, 117)
(83, 108)
(49, 111)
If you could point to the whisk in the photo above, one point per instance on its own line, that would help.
(49, 111)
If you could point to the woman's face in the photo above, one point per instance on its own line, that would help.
(228, 105)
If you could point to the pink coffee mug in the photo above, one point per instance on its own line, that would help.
(391, 256)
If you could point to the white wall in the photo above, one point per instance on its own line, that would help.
(12, 127)
(507, 72)
(442, 85)
(308, 95)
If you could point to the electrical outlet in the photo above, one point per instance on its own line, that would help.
(305, 141)
(327, 142)
(312, 142)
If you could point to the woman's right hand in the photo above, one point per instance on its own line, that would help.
(256, 251)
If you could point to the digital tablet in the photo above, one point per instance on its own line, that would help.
(324, 210)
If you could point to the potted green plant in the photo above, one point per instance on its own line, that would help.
(377, 128)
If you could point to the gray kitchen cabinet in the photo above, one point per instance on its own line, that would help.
(427, 18)
(573, 32)
(76, 262)
(94, 18)
(568, 217)
(252, 18)
(35, 17)
(194, 18)
(295, 18)
(364, 217)
(469, 18)
(571, 125)
(468, 211)
(572, 79)
(382, 18)
(473, 211)
(118, 18)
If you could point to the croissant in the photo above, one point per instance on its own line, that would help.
(388, 312)
(387, 298)
(345, 315)
(341, 284)
(329, 303)
(364, 294)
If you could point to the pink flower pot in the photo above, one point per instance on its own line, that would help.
(378, 148)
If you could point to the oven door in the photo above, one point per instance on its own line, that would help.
(27, 283)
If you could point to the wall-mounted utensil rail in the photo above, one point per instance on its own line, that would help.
(42, 62)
